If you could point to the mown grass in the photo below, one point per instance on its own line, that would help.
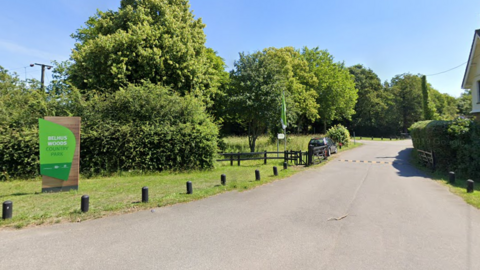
(122, 193)
(459, 187)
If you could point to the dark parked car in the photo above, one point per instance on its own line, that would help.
(331, 145)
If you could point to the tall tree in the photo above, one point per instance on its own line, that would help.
(406, 89)
(158, 41)
(370, 103)
(442, 105)
(335, 88)
(257, 81)
(427, 108)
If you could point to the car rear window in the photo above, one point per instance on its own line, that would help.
(316, 142)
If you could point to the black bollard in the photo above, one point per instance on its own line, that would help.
(144, 194)
(85, 203)
(310, 155)
(223, 179)
(7, 210)
(275, 171)
(452, 177)
(257, 175)
(470, 186)
(285, 165)
(189, 187)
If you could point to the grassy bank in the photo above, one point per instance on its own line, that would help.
(121, 193)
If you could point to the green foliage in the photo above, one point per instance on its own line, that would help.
(147, 128)
(144, 128)
(373, 115)
(444, 106)
(456, 145)
(158, 41)
(335, 87)
(21, 104)
(407, 93)
(19, 153)
(464, 103)
(257, 82)
(339, 134)
(428, 109)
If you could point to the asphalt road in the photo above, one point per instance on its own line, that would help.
(393, 218)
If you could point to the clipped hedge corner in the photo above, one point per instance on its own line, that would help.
(455, 144)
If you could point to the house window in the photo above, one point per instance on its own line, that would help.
(478, 91)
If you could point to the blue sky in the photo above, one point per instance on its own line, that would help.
(390, 37)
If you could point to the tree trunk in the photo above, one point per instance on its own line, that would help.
(252, 137)
(324, 126)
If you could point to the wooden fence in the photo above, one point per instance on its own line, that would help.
(296, 157)
(428, 158)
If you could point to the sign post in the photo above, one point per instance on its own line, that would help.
(59, 153)
(280, 136)
(283, 118)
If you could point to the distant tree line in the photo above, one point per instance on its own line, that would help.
(392, 107)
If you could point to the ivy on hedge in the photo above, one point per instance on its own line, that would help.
(456, 145)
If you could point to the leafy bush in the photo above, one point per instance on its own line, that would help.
(455, 144)
(19, 153)
(339, 134)
(145, 128)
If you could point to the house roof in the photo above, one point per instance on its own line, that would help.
(475, 45)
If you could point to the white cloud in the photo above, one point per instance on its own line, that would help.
(22, 50)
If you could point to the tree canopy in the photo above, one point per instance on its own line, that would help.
(336, 93)
(257, 83)
(158, 41)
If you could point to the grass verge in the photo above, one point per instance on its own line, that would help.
(122, 193)
(459, 187)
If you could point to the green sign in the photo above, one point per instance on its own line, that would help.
(57, 147)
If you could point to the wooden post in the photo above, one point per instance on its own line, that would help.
(310, 155)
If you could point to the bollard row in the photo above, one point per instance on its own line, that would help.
(7, 208)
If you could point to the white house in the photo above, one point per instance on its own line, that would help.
(471, 80)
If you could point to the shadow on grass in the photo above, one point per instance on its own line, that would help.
(19, 194)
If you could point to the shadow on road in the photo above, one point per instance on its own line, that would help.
(402, 164)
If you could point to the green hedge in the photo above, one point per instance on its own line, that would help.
(19, 153)
(456, 145)
(118, 147)
(145, 128)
